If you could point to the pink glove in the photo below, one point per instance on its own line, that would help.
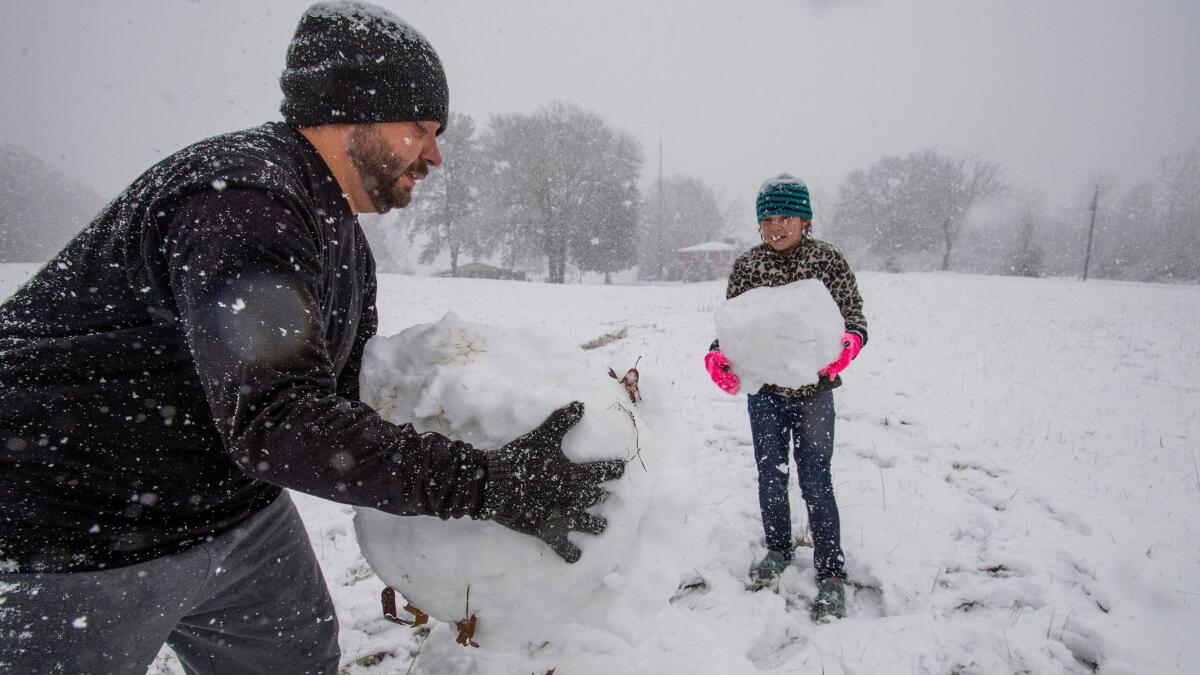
(721, 372)
(851, 346)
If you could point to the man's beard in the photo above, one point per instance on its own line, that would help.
(379, 169)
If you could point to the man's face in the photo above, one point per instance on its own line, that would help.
(391, 157)
(782, 233)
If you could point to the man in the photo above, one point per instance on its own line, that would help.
(196, 349)
(800, 420)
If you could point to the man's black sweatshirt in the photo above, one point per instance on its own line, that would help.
(192, 351)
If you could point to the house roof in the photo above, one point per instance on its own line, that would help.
(709, 246)
(478, 269)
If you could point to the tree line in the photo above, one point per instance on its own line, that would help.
(557, 189)
(551, 189)
(932, 211)
(40, 209)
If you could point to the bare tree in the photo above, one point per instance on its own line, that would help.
(876, 207)
(973, 179)
(1026, 258)
(445, 206)
(916, 204)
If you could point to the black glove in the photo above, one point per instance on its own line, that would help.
(534, 489)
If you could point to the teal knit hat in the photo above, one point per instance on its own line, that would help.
(783, 195)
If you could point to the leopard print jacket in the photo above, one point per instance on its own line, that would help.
(810, 259)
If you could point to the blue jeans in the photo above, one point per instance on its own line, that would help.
(805, 425)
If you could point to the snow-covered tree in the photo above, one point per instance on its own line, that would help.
(40, 209)
(1127, 232)
(1151, 230)
(690, 214)
(1025, 259)
(446, 203)
(563, 184)
(1179, 208)
(603, 237)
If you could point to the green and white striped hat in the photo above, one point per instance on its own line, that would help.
(783, 195)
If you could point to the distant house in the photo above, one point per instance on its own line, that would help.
(478, 270)
(710, 260)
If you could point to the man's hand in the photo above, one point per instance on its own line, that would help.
(534, 489)
(851, 345)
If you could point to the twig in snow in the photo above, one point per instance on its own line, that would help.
(1018, 609)
(637, 444)
(1196, 469)
(466, 627)
(607, 338)
(417, 653)
(882, 486)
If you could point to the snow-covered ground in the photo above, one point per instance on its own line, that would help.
(1016, 467)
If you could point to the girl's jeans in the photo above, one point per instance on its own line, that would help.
(805, 424)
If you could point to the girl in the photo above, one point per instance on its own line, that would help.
(800, 418)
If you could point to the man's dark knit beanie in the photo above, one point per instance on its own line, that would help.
(352, 62)
(783, 195)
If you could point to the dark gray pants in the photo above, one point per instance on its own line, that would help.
(251, 601)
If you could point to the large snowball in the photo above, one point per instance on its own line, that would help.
(780, 335)
(486, 386)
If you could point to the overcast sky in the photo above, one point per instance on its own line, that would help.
(1060, 92)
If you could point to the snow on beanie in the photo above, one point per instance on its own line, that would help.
(353, 62)
(783, 195)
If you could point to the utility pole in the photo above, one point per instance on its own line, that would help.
(662, 197)
(1087, 258)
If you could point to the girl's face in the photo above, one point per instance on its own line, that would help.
(782, 233)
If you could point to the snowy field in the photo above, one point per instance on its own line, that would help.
(1016, 467)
